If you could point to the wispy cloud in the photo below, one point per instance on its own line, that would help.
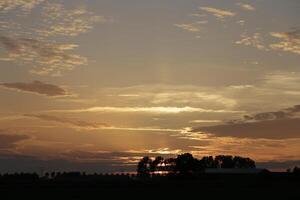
(255, 40)
(290, 41)
(8, 141)
(61, 21)
(37, 87)
(27, 5)
(73, 122)
(218, 13)
(247, 7)
(38, 44)
(83, 124)
(188, 27)
(48, 58)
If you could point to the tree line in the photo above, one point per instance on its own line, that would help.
(186, 163)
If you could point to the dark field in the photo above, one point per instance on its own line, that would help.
(210, 186)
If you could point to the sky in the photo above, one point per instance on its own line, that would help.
(94, 85)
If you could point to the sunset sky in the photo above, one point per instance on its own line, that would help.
(96, 84)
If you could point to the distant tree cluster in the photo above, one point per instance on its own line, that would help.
(186, 163)
(296, 170)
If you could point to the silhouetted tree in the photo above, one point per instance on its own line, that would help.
(53, 175)
(224, 161)
(186, 163)
(155, 163)
(208, 162)
(143, 167)
(240, 162)
(170, 164)
(296, 170)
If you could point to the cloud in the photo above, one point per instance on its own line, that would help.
(8, 141)
(37, 87)
(247, 7)
(150, 110)
(49, 58)
(199, 121)
(290, 41)
(188, 27)
(61, 21)
(6, 5)
(255, 40)
(23, 163)
(192, 97)
(288, 113)
(218, 13)
(73, 122)
(37, 44)
(279, 129)
(286, 81)
(279, 125)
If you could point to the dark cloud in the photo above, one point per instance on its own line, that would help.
(64, 120)
(37, 87)
(23, 163)
(272, 129)
(90, 162)
(8, 141)
(288, 113)
(271, 125)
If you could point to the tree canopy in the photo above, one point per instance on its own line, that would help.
(186, 163)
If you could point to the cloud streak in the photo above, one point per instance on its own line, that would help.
(8, 141)
(188, 27)
(73, 122)
(37, 87)
(218, 13)
(150, 110)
